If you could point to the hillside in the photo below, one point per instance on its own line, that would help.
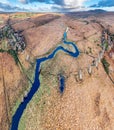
(87, 101)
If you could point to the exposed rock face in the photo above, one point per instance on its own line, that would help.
(86, 104)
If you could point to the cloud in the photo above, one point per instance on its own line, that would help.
(38, 1)
(68, 9)
(51, 5)
(4, 1)
(74, 2)
(6, 7)
(1, 10)
(55, 5)
(23, 1)
(57, 2)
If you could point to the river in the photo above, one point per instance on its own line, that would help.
(35, 86)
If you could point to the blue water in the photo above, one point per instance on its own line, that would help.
(35, 86)
(62, 83)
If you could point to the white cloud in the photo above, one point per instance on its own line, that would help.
(1, 9)
(74, 3)
(23, 1)
(36, 7)
(4, 1)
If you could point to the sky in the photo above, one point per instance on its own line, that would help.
(55, 5)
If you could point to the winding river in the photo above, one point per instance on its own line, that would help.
(35, 86)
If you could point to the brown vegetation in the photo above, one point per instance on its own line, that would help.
(84, 105)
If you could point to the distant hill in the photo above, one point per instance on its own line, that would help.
(85, 14)
(97, 11)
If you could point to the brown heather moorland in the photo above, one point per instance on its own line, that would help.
(86, 104)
